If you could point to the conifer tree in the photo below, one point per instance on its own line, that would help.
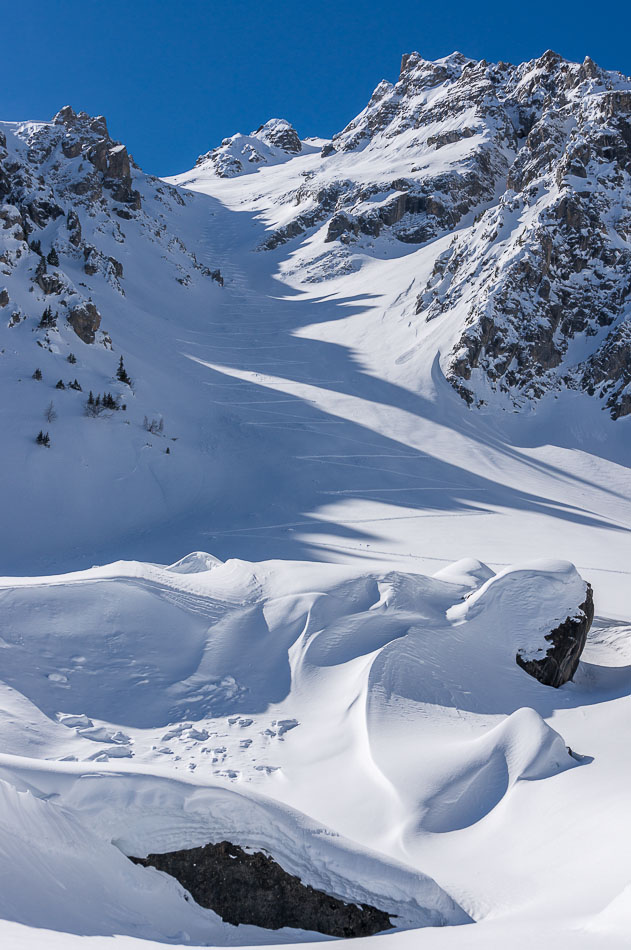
(121, 373)
(48, 318)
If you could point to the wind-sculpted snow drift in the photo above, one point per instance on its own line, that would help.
(231, 685)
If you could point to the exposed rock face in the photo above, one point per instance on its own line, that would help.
(85, 320)
(74, 228)
(4, 296)
(566, 645)
(246, 888)
(280, 134)
(53, 283)
(550, 262)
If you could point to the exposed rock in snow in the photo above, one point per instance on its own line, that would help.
(251, 888)
(85, 320)
(560, 662)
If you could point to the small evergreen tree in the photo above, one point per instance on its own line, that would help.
(60, 384)
(121, 373)
(36, 246)
(53, 258)
(37, 374)
(75, 384)
(71, 358)
(43, 438)
(49, 319)
(41, 268)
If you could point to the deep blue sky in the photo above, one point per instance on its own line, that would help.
(174, 78)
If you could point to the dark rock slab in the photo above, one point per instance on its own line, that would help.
(85, 320)
(566, 645)
(251, 888)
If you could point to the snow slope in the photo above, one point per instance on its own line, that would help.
(336, 680)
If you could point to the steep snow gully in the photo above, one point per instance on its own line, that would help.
(328, 674)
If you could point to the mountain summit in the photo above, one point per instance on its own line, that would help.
(526, 170)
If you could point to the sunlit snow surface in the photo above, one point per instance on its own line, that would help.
(353, 706)
(150, 708)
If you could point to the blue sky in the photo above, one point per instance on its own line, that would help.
(173, 79)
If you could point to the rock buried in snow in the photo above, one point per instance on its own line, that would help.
(246, 888)
(566, 645)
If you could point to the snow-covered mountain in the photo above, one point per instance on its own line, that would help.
(526, 169)
(379, 386)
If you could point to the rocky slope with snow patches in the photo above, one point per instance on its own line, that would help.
(273, 142)
(528, 169)
(98, 263)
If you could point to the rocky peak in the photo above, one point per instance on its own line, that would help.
(528, 167)
(273, 142)
(279, 134)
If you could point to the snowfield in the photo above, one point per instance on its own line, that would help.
(371, 730)
(277, 599)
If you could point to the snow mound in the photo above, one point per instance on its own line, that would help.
(195, 563)
(478, 775)
(468, 571)
(525, 603)
(615, 917)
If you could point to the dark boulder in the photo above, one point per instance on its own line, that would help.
(85, 320)
(251, 888)
(566, 645)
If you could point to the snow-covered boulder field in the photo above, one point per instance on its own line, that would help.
(344, 722)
